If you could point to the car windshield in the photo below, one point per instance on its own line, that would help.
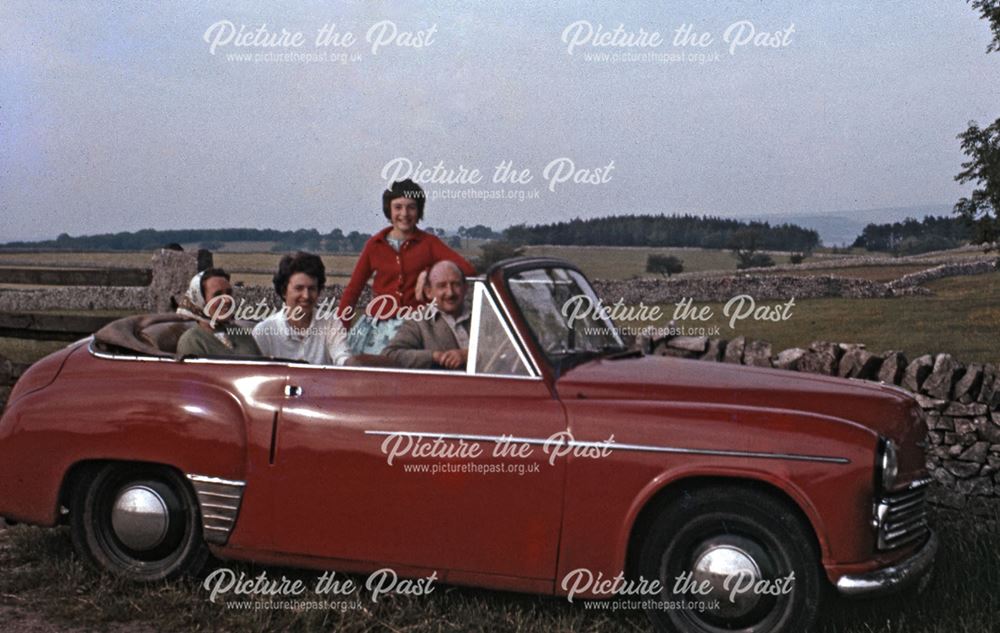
(564, 314)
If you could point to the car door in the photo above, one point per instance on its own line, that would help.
(438, 504)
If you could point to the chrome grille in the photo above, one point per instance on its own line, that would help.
(219, 500)
(901, 516)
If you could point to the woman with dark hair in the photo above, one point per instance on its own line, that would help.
(294, 332)
(398, 255)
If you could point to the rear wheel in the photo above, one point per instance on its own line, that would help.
(137, 521)
(745, 549)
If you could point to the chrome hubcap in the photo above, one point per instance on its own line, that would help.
(140, 517)
(726, 567)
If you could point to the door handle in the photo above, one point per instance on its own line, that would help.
(293, 391)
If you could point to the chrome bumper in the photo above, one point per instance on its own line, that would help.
(894, 578)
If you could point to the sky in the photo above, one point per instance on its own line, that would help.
(164, 115)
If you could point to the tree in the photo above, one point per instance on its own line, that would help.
(664, 264)
(480, 232)
(982, 208)
(755, 260)
(744, 245)
(989, 10)
(982, 146)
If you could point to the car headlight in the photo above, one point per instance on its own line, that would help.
(887, 464)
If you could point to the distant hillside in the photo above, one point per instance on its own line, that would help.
(838, 228)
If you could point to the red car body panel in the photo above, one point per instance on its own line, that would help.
(330, 492)
(320, 493)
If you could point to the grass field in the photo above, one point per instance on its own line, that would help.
(961, 318)
(616, 262)
(43, 584)
(599, 262)
(596, 261)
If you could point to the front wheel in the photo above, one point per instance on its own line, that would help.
(139, 522)
(731, 560)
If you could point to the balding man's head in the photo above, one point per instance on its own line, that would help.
(447, 282)
(439, 269)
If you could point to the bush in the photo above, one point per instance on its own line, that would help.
(664, 264)
(754, 260)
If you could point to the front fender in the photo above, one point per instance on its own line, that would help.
(821, 463)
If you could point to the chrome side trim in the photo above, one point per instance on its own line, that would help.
(893, 578)
(398, 370)
(625, 447)
(107, 356)
(292, 365)
(216, 480)
(219, 501)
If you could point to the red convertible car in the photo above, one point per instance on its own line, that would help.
(631, 466)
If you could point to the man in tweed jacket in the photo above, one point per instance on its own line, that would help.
(441, 340)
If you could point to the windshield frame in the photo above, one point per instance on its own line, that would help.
(567, 361)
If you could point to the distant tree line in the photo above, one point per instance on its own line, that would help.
(629, 230)
(337, 242)
(912, 237)
(664, 230)
(478, 232)
(312, 240)
(212, 239)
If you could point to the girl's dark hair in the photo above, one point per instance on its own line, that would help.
(299, 262)
(404, 189)
(208, 274)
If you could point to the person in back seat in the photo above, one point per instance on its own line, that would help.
(441, 340)
(300, 331)
(209, 300)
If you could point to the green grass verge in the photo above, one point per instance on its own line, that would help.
(961, 318)
(42, 580)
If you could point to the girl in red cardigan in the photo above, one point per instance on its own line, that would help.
(398, 255)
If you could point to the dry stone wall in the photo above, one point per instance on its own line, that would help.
(9, 373)
(763, 285)
(862, 261)
(961, 401)
(132, 299)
